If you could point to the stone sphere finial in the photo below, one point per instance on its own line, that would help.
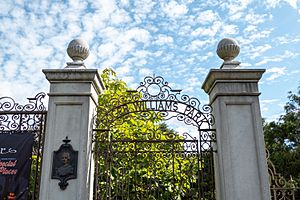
(78, 50)
(228, 49)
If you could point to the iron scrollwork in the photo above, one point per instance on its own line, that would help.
(35, 104)
(17, 118)
(279, 186)
(155, 95)
(64, 165)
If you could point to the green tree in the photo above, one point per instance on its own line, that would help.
(282, 139)
(137, 159)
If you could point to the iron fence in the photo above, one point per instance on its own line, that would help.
(30, 118)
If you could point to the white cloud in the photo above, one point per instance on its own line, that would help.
(291, 73)
(106, 50)
(272, 3)
(236, 6)
(250, 28)
(264, 104)
(201, 70)
(205, 57)
(289, 54)
(236, 16)
(230, 29)
(128, 79)
(119, 43)
(157, 53)
(137, 34)
(244, 41)
(105, 7)
(245, 65)
(190, 60)
(124, 3)
(120, 17)
(196, 44)
(207, 31)
(266, 60)
(275, 73)
(163, 39)
(41, 51)
(275, 3)
(287, 39)
(268, 101)
(255, 19)
(122, 71)
(207, 16)
(192, 83)
(184, 30)
(10, 69)
(292, 3)
(145, 72)
(17, 12)
(256, 51)
(6, 6)
(141, 54)
(142, 9)
(261, 49)
(18, 91)
(285, 55)
(174, 10)
(260, 34)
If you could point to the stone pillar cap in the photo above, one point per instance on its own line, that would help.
(231, 75)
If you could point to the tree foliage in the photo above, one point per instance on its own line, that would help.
(138, 155)
(282, 139)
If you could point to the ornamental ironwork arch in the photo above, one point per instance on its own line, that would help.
(155, 94)
(158, 163)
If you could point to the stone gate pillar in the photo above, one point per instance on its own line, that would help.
(73, 98)
(240, 162)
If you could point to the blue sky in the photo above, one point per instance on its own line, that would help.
(174, 39)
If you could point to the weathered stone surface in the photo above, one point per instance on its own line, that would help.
(73, 98)
(78, 50)
(228, 49)
(240, 162)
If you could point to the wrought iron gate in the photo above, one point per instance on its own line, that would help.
(29, 118)
(138, 156)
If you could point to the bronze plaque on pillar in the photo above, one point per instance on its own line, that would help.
(64, 165)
